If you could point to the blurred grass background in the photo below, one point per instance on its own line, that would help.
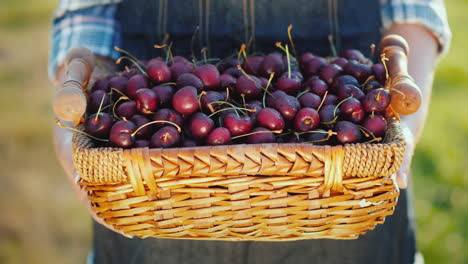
(41, 221)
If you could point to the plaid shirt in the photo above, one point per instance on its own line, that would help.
(92, 24)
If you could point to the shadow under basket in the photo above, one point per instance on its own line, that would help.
(262, 192)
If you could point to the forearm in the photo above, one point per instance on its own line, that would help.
(422, 60)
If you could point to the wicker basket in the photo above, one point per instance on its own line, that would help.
(264, 192)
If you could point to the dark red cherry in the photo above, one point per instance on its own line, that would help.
(185, 100)
(273, 97)
(304, 58)
(144, 132)
(219, 136)
(189, 79)
(342, 80)
(289, 83)
(234, 71)
(210, 101)
(359, 71)
(166, 114)
(178, 68)
(119, 83)
(271, 119)
(353, 54)
(165, 137)
(252, 65)
(126, 109)
(227, 80)
(349, 90)
(310, 100)
(121, 134)
(227, 63)
(101, 84)
(260, 135)
(306, 119)
(249, 86)
(328, 114)
(330, 72)
(272, 63)
(200, 125)
(237, 125)
(135, 83)
(347, 132)
(164, 93)
(376, 124)
(378, 70)
(316, 85)
(314, 66)
(158, 72)
(376, 100)
(287, 107)
(146, 100)
(340, 62)
(209, 75)
(98, 125)
(331, 99)
(352, 109)
(94, 101)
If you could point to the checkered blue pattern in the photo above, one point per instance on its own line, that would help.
(92, 24)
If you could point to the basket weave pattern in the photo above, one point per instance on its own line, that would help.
(264, 192)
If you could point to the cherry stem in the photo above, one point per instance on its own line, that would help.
(155, 122)
(241, 52)
(125, 52)
(329, 132)
(100, 107)
(249, 44)
(169, 51)
(132, 61)
(372, 48)
(57, 121)
(203, 51)
(378, 139)
(332, 46)
(235, 108)
(384, 59)
(224, 102)
(118, 100)
(127, 69)
(243, 100)
(266, 88)
(119, 92)
(338, 105)
(290, 27)
(366, 131)
(323, 100)
(289, 62)
(199, 101)
(227, 94)
(243, 72)
(370, 78)
(193, 43)
(168, 83)
(257, 132)
(302, 93)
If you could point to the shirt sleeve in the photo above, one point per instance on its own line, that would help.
(428, 13)
(90, 26)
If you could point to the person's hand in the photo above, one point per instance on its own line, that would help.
(403, 172)
(63, 137)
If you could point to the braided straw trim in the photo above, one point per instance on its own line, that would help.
(111, 165)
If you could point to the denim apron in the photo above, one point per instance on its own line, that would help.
(224, 26)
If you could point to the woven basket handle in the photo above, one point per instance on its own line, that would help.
(70, 101)
(406, 95)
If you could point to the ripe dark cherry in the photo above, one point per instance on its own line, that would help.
(254, 105)
(290, 85)
(250, 87)
(330, 72)
(272, 63)
(340, 62)
(234, 71)
(376, 100)
(376, 124)
(353, 54)
(126, 109)
(187, 143)
(319, 138)
(313, 66)
(352, 110)
(373, 84)
(219, 136)
(252, 65)
(347, 132)
(135, 83)
(144, 132)
(378, 70)
(119, 83)
(316, 85)
(210, 101)
(271, 119)
(306, 119)
(238, 125)
(209, 75)
(227, 63)
(120, 134)
(287, 106)
(146, 101)
(179, 59)
(227, 80)
(165, 137)
(98, 126)
(305, 57)
(101, 84)
(310, 100)
(348, 90)
(164, 93)
(342, 80)
(158, 72)
(200, 125)
(178, 69)
(359, 71)
(260, 135)
(141, 143)
(273, 97)
(327, 113)
(189, 79)
(166, 114)
(185, 100)
(330, 100)
(94, 101)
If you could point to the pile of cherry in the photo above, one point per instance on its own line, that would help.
(257, 99)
